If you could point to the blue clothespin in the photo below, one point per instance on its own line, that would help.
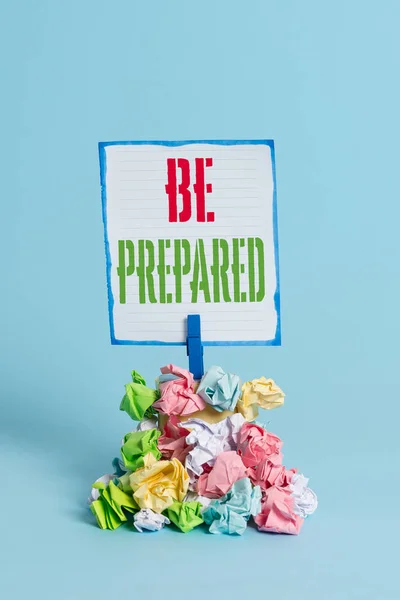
(194, 347)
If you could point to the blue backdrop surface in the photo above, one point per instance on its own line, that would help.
(321, 79)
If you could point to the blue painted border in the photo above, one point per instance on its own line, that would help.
(276, 341)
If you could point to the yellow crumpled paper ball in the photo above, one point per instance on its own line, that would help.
(159, 483)
(261, 392)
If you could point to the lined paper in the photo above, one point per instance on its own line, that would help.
(136, 208)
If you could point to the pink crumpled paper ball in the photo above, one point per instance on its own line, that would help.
(267, 474)
(277, 513)
(228, 469)
(172, 443)
(255, 444)
(177, 395)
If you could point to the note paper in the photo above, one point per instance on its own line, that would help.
(191, 228)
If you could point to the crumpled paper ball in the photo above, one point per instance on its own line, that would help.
(219, 389)
(263, 393)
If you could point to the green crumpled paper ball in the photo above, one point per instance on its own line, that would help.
(138, 398)
(136, 445)
(185, 515)
(110, 506)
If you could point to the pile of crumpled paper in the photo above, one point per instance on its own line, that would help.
(198, 456)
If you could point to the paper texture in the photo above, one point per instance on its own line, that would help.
(190, 229)
(230, 513)
(159, 483)
(185, 515)
(219, 389)
(147, 520)
(305, 499)
(228, 468)
(208, 440)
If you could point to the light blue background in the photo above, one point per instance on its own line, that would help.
(321, 79)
